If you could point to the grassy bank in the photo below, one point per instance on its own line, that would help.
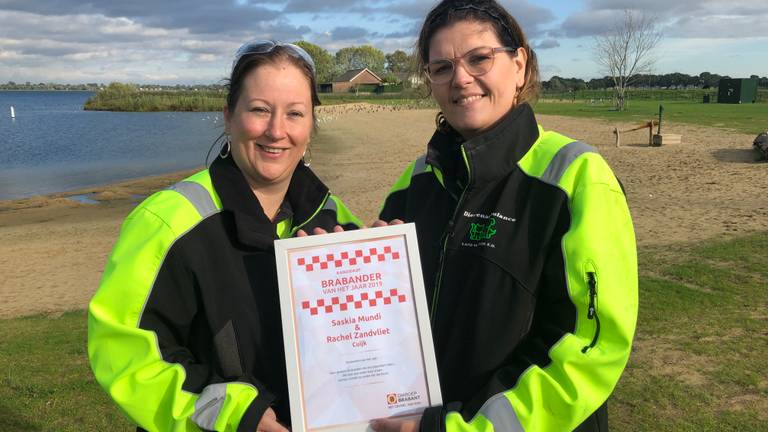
(139, 101)
(127, 97)
(133, 100)
(747, 118)
(696, 364)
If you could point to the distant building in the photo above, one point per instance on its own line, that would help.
(410, 79)
(351, 79)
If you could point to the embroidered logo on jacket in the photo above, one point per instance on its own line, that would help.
(480, 231)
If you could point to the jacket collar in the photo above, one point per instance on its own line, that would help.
(491, 155)
(306, 194)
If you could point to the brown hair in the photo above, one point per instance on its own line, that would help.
(488, 12)
(249, 62)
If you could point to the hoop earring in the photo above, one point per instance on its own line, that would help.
(307, 162)
(226, 148)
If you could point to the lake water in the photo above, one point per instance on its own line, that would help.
(53, 145)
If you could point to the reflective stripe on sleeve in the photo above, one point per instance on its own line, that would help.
(563, 159)
(500, 413)
(196, 194)
(208, 406)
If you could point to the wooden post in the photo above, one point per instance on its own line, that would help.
(650, 133)
(661, 113)
(649, 125)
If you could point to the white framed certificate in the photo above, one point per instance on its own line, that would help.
(358, 342)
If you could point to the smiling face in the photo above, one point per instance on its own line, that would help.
(271, 124)
(473, 104)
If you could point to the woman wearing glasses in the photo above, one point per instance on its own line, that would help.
(526, 241)
(185, 329)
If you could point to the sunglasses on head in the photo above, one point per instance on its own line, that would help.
(266, 46)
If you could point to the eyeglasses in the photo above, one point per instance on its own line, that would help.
(266, 46)
(478, 61)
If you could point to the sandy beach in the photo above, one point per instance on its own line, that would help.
(53, 249)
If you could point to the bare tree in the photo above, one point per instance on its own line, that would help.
(627, 50)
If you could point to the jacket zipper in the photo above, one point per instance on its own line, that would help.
(446, 235)
(295, 229)
(592, 309)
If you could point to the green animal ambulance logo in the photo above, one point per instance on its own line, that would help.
(482, 231)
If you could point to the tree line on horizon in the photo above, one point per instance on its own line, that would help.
(395, 67)
(554, 84)
(675, 80)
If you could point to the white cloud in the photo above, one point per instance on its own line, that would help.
(125, 26)
(679, 19)
(719, 26)
(9, 55)
(79, 28)
(206, 58)
(84, 56)
(546, 44)
(162, 77)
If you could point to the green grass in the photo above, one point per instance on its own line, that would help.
(187, 101)
(697, 363)
(156, 101)
(46, 380)
(747, 118)
(701, 343)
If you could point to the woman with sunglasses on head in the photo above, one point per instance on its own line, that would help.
(526, 241)
(185, 329)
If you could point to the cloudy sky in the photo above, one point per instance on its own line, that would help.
(172, 41)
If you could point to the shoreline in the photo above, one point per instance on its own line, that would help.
(103, 193)
(95, 187)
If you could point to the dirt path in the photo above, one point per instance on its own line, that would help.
(52, 249)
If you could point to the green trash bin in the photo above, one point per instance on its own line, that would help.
(737, 90)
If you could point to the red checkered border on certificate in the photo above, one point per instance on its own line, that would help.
(353, 301)
(343, 259)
